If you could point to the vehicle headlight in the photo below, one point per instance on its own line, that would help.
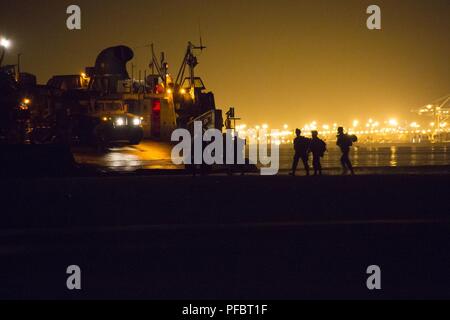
(120, 122)
(137, 121)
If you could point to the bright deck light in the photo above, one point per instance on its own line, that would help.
(5, 43)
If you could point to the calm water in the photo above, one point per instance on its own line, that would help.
(381, 156)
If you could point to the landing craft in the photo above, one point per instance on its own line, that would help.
(99, 106)
(104, 104)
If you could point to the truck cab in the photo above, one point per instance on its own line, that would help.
(115, 123)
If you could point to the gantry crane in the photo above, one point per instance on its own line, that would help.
(439, 111)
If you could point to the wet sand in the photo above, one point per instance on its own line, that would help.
(372, 159)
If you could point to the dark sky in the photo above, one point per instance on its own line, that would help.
(275, 61)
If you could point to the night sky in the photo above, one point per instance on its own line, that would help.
(276, 61)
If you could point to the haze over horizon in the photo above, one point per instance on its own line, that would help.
(277, 62)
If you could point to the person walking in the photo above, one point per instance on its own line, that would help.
(318, 148)
(301, 148)
(345, 142)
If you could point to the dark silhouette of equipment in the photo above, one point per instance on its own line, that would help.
(230, 122)
(110, 68)
(15, 92)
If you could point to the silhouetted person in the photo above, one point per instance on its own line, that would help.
(301, 147)
(318, 148)
(344, 141)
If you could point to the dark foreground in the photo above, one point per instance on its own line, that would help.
(226, 237)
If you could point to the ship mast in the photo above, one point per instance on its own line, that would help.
(190, 61)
